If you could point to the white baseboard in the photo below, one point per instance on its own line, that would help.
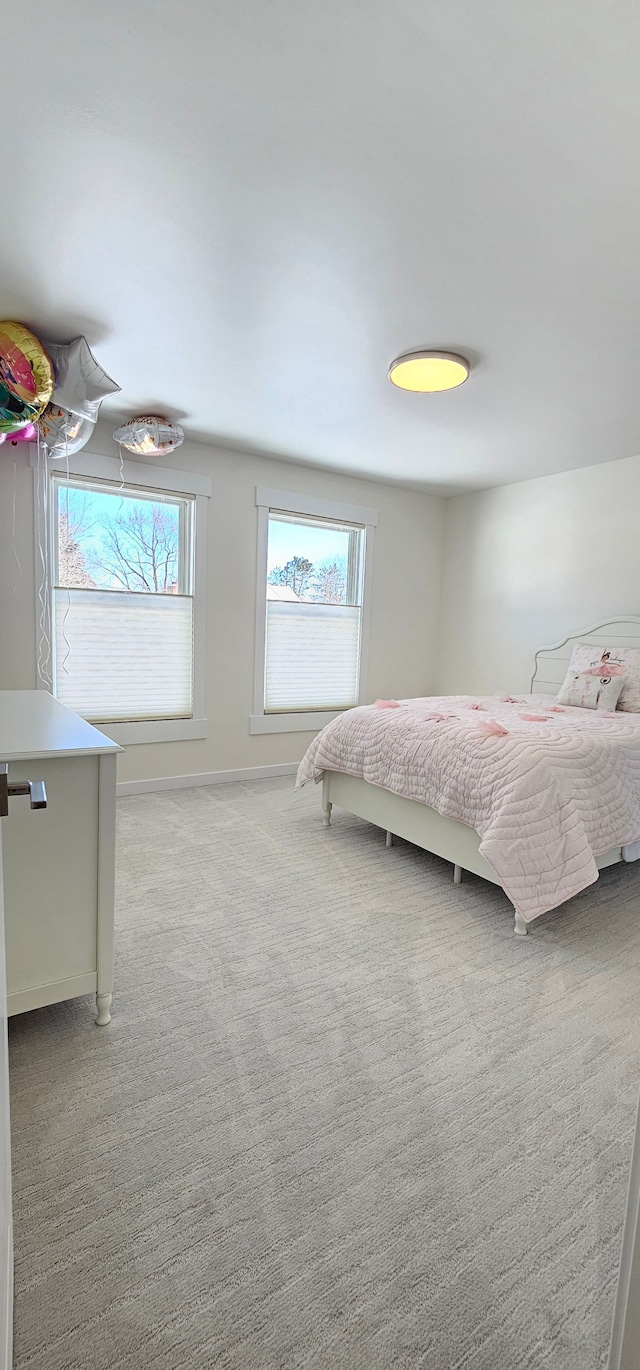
(187, 782)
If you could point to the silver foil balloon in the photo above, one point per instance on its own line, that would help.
(81, 384)
(149, 435)
(63, 433)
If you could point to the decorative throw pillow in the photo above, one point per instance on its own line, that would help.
(584, 690)
(609, 662)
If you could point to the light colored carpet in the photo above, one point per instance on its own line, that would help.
(343, 1119)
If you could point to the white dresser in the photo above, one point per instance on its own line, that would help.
(59, 862)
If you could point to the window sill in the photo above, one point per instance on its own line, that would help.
(292, 723)
(155, 730)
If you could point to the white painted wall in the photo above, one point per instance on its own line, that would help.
(521, 566)
(404, 604)
(525, 564)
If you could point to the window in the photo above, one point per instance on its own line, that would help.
(122, 602)
(314, 601)
(311, 605)
(122, 641)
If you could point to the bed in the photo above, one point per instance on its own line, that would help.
(570, 799)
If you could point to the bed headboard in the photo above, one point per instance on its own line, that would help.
(551, 663)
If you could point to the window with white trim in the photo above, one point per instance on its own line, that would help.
(121, 607)
(122, 601)
(309, 641)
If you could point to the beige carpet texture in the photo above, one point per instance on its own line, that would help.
(343, 1119)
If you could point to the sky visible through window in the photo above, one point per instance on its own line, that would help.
(287, 540)
(311, 561)
(110, 541)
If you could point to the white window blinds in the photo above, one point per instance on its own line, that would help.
(123, 657)
(313, 656)
(314, 608)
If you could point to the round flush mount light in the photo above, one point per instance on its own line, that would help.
(429, 372)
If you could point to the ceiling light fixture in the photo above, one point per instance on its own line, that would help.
(428, 372)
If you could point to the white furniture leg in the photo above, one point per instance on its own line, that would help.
(106, 885)
(103, 1005)
(389, 839)
(519, 925)
(457, 875)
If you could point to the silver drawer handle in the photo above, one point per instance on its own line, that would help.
(34, 788)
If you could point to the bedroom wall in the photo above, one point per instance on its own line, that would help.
(404, 603)
(526, 564)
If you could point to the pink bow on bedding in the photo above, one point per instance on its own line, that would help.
(487, 727)
(386, 704)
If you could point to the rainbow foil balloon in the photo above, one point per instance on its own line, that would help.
(26, 377)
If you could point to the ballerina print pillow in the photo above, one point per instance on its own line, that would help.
(610, 664)
(583, 690)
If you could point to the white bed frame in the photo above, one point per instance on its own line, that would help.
(446, 837)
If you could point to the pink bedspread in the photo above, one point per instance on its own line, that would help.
(547, 790)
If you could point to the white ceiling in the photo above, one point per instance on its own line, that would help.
(251, 207)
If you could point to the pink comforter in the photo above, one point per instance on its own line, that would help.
(547, 790)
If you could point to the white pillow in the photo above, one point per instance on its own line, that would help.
(584, 690)
(608, 662)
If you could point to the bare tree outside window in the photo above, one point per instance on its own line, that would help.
(112, 542)
(330, 585)
(74, 566)
(140, 548)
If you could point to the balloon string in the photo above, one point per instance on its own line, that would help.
(44, 587)
(47, 564)
(13, 525)
(37, 479)
(121, 505)
(41, 672)
(68, 608)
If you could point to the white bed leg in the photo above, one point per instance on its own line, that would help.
(519, 925)
(457, 875)
(326, 814)
(389, 839)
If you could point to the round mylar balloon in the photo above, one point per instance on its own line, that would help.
(26, 377)
(62, 432)
(149, 435)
